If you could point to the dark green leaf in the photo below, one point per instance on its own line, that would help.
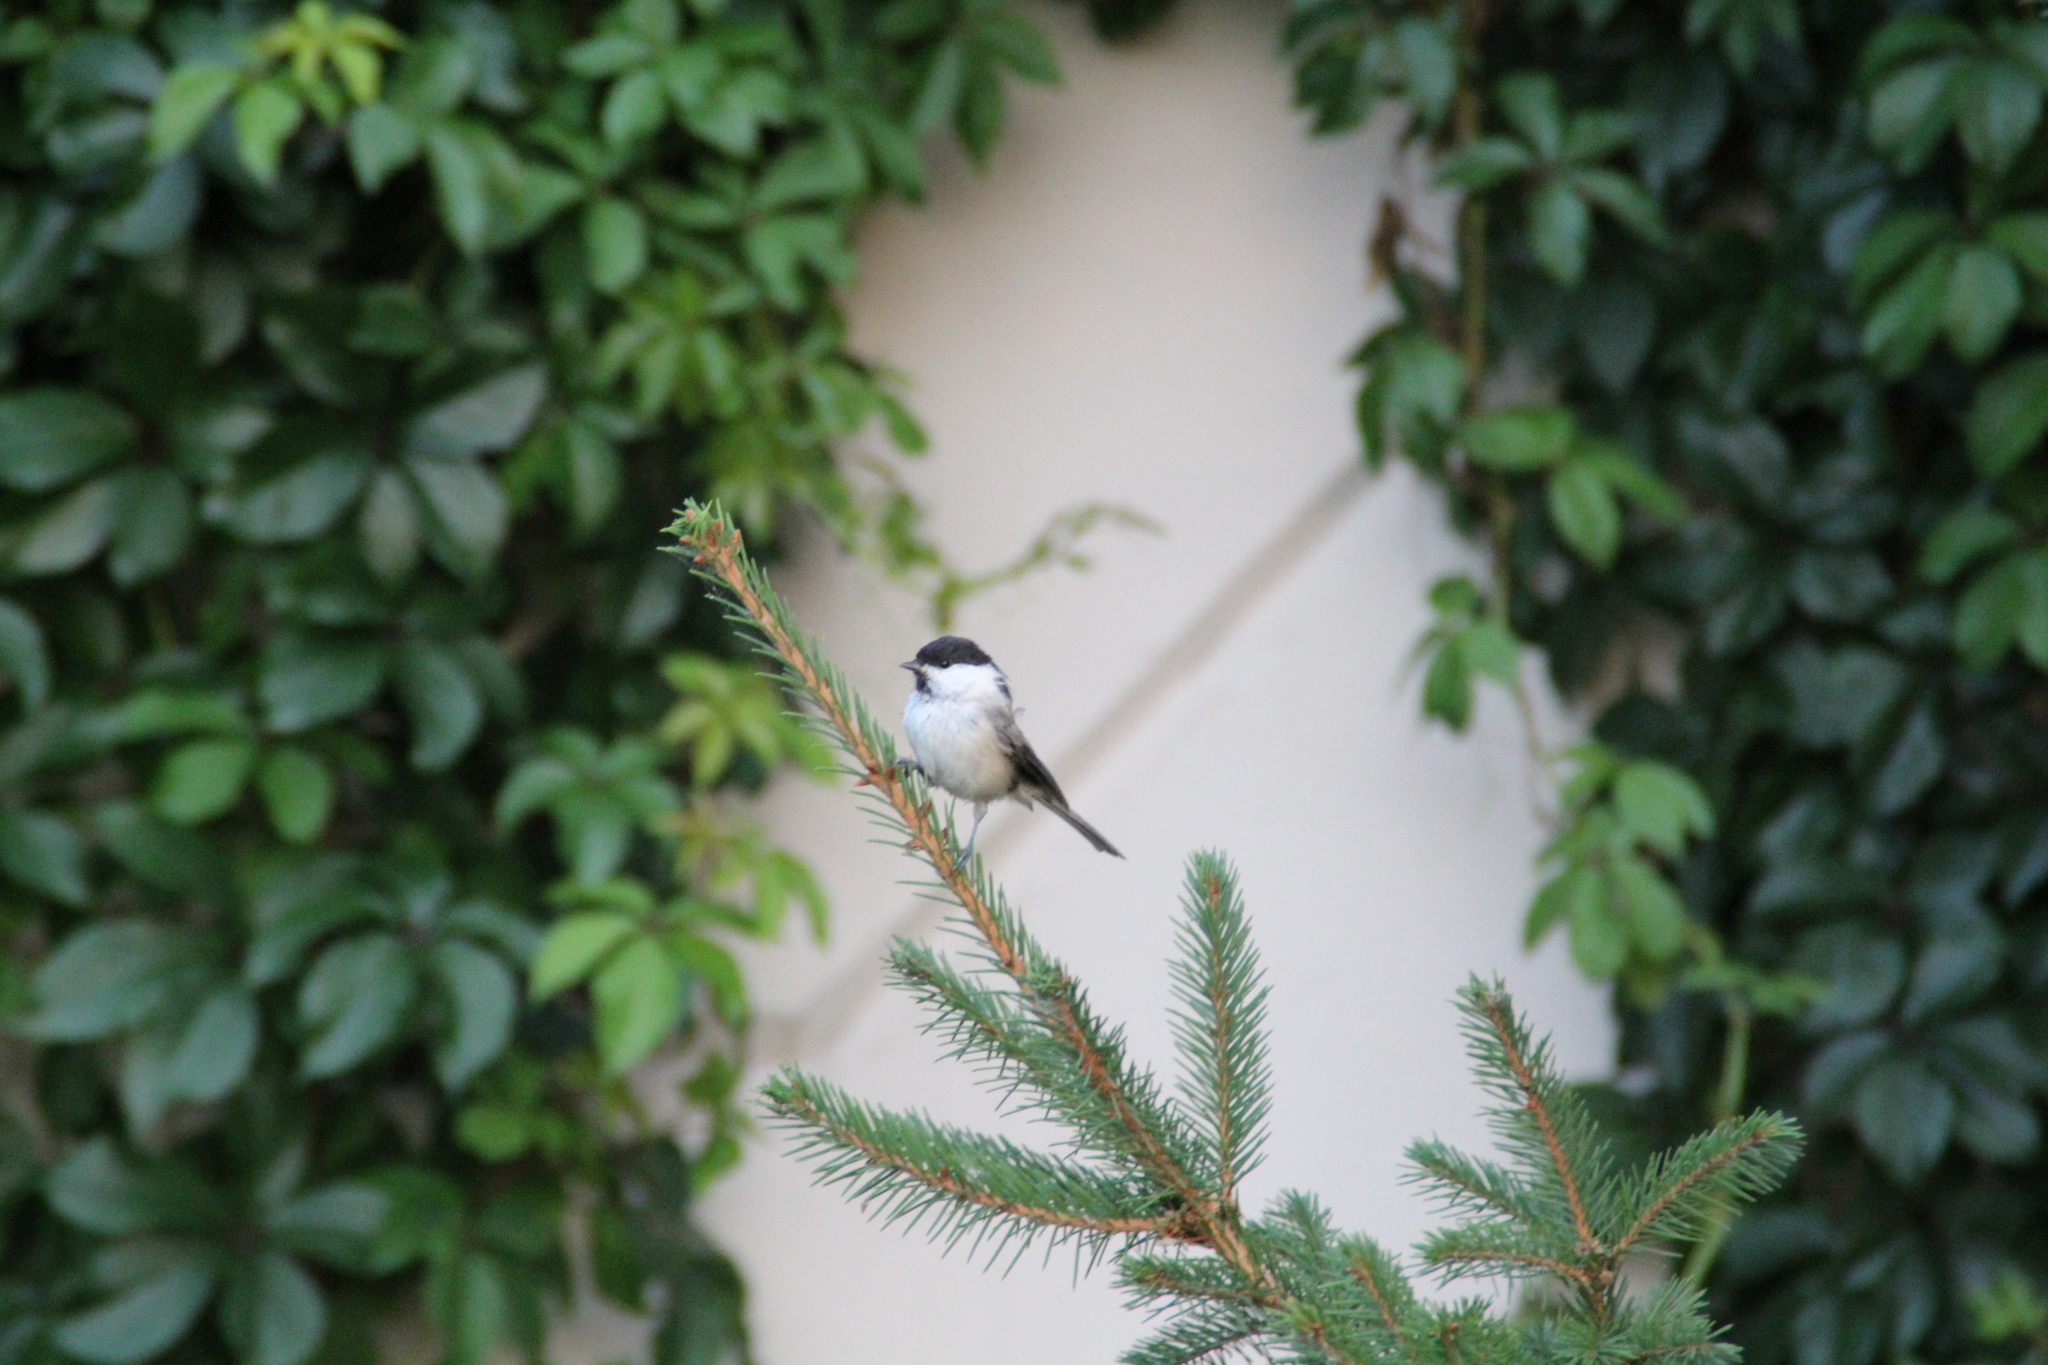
(147, 1316)
(1560, 230)
(380, 141)
(1998, 106)
(1962, 537)
(271, 1312)
(484, 998)
(152, 524)
(353, 1000)
(43, 853)
(24, 655)
(1903, 1114)
(2009, 414)
(305, 679)
(104, 978)
(442, 701)
(1983, 299)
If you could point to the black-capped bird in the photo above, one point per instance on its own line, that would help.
(963, 729)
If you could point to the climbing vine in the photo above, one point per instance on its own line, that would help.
(367, 776)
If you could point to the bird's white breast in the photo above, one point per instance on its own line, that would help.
(952, 730)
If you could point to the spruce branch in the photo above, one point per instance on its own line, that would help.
(1221, 1020)
(1153, 1179)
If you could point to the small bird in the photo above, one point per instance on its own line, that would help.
(963, 729)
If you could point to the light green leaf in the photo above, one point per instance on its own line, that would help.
(266, 115)
(614, 243)
(573, 949)
(201, 779)
(460, 189)
(297, 791)
(635, 107)
(216, 1048)
(1662, 805)
(353, 999)
(1903, 322)
(1529, 101)
(1582, 509)
(637, 1000)
(1599, 936)
(1651, 906)
(1483, 163)
(191, 95)
(478, 420)
(1491, 650)
(1515, 439)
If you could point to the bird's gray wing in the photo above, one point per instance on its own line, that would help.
(1032, 774)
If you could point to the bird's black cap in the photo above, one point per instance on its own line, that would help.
(948, 650)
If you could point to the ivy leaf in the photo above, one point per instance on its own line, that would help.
(201, 779)
(2009, 414)
(637, 1000)
(574, 947)
(485, 999)
(442, 701)
(353, 999)
(1962, 537)
(266, 115)
(1662, 806)
(1903, 1115)
(191, 95)
(152, 1310)
(1998, 106)
(297, 791)
(271, 1312)
(1560, 230)
(381, 141)
(1983, 299)
(614, 243)
(43, 853)
(1583, 510)
(1516, 439)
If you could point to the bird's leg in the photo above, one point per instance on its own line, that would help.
(908, 765)
(980, 809)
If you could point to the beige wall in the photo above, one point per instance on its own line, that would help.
(1146, 298)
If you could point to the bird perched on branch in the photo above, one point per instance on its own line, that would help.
(963, 729)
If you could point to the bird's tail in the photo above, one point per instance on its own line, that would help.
(1082, 827)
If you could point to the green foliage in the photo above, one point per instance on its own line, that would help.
(366, 777)
(1776, 270)
(1151, 1179)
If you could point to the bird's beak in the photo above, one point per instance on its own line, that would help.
(911, 666)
